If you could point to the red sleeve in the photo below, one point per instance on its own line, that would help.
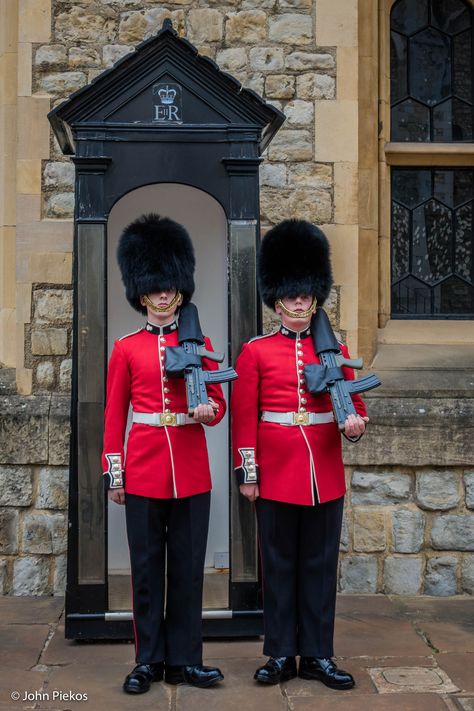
(116, 414)
(214, 390)
(349, 374)
(245, 411)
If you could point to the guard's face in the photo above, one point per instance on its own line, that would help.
(163, 298)
(297, 303)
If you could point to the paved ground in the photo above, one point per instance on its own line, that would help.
(410, 654)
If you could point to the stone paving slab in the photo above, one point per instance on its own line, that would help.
(21, 645)
(34, 610)
(460, 669)
(448, 637)
(345, 701)
(15, 681)
(103, 686)
(376, 636)
(67, 651)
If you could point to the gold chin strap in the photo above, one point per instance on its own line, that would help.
(175, 301)
(298, 314)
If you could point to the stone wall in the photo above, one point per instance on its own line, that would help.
(409, 531)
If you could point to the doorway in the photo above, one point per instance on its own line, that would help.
(206, 222)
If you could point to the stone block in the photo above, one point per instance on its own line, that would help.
(248, 26)
(132, 27)
(59, 174)
(311, 175)
(469, 484)
(408, 527)
(52, 305)
(60, 575)
(302, 61)
(369, 530)
(290, 28)
(62, 83)
(50, 55)
(279, 86)
(437, 490)
(3, 577)
(8, 531)
(156, 16)
(440, 578)
(60, 205)
(205, 25)
(113, 52)
(346, 193)
(380, 488)
(315, 86)
(266, 59)
(16, 486)
(296, 4)
(53, 487)
(24, 429)
(31, 576)
(231, 60)
(44, 533)
(299, 113)
(35, 24)
(467, 574)
(65, 375)
(291, 145)
(453, 532)
(336, 23)
(250, 4)
(304, 203)
(345, 533)
(79, 24)
(402, 576)
(358, 574)
(59, 431)
(253, 81)
(28, 177)
(49, 341)
(273, 175)
(45, 375)
(84, 57)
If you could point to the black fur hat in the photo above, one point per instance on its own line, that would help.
(294, 259)
(155, 253)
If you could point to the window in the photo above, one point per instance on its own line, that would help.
(432, 242)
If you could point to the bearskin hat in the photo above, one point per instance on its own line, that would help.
(155, 253)
(294, 259)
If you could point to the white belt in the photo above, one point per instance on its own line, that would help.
(163, 419)
(297, 418)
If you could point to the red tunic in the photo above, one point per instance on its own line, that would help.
(161, 462)
(297, 464)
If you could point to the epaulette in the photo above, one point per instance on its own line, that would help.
(127, 335)
(265, 335)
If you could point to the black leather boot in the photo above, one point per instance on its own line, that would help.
(324, 669)
(277, 669)
(195, 674)
(139, 679)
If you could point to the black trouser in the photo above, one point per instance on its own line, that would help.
(299, 547)
(172, 531)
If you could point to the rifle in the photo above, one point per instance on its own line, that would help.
(185, 360)
(328, 377)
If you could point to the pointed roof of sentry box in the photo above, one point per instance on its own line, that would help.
(121, 96)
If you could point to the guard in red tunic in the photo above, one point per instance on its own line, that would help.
(164, 478)
(287, 455)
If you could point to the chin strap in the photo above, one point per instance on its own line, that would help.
(298, 314)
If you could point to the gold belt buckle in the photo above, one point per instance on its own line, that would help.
(301, 418)
(168, 418)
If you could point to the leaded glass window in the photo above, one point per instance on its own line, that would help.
(431, 71)
(432, 243)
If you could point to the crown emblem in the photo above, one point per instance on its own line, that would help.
(167, 95)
